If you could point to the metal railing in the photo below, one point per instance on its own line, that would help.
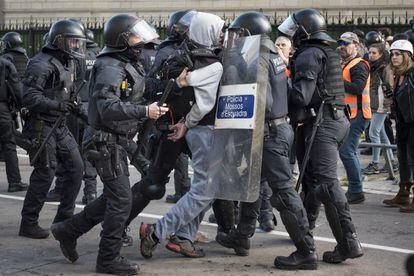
(386, 153)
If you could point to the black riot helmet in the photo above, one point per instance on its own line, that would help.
(305, 25)
(124, 32)
(372, 37)
(13, 41)
(246, 24)
(178, 23)
(69, 37)
(90, 37)
(410, 36)
(45, 38)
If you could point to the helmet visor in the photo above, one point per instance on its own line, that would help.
(74, 46)
(186, 19)
(2, 46)
(233, 35)
(289, 26)
(143, 33)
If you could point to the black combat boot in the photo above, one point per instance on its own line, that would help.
(67, 244)
(304, 258)
(88, 198)
(33, 231)
(53, 196)
(17, 187)
(350, 248)
(119, 266)
(241, 245)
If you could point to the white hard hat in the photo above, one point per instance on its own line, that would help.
(402, 45)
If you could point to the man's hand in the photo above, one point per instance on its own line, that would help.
(154, 111)
(179, 131)
(181, 80)
(66, 106)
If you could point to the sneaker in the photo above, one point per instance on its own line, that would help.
(148, 239)
(184, 247)
(126, 239)
(17, 187)
(355, 198)
(372, 168)
(395, 167)
(119, 266)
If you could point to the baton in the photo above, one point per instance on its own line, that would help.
(55, 125)
(309, 146)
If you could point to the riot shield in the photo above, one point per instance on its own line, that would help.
(235, 158)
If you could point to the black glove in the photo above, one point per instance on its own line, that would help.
(66, 106)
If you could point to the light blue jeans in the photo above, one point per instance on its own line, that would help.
(184, 218)
(378, 135)
(349, 155)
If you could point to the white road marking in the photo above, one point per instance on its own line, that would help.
(276, 233)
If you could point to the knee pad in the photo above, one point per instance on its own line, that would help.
(151, 190)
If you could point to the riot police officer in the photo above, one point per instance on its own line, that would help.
(15, 52)
(275, 165)
(10, 101)
(48, 95)
(152, 186)
(315, 91)
(90, 174)
(113, 114)
(177, 29)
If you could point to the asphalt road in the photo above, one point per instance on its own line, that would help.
(387, 236)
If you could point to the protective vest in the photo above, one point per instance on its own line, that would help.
(61, 86)
(357, 101)
(128, 89)
(90, 58)
(276, 100)
(19, 61)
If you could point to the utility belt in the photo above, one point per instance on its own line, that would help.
(103, 151)
(332, 111)
(271, 125)
(275, 122)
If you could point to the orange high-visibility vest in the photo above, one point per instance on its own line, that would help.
(352, 100)
(287, 72)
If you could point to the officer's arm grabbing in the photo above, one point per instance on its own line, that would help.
(308, 65)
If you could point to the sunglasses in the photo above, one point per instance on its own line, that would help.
(343, 43)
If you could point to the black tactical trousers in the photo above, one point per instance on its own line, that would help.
(266, 209)
(152, 186)
(181, 180)
(61, 150)
(277, 172)
(8, 147)
(89, 174)
(112, 207)
(320, 183)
